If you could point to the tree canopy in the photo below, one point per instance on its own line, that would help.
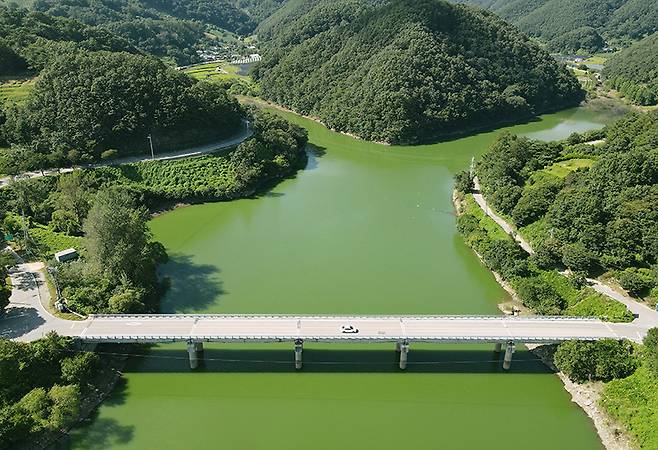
(40, 387)
(634, 71)
(86, 103)
(572, 25)
(29, 40)
(409, 71)
(597, 205)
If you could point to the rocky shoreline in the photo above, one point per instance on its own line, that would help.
(587, 395)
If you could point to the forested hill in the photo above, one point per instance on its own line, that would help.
(164, 28)
(409, 70)
(570, 25)
(28, 40)
(634, 71)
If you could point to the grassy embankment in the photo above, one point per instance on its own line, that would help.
(634, 402)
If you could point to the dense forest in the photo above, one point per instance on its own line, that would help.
(29, 40)
(86, 104)
(42, 385)
(409, 71)
(634, 71)
(591, 208)
(173, 29)
(572, 25)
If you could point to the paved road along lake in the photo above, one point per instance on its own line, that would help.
(365, 229)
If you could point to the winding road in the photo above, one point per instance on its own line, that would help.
(189, 152)
(644, 316)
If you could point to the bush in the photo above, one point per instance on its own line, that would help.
(80, 369)
(109, 154)
(578, 258)
(637, 281)
(601, 360)
(464, 182)
(651, 345)
(547, 254)
(539, 295)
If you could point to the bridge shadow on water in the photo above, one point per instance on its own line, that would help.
(316, 360)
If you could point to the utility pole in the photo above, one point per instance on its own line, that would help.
(151, 145)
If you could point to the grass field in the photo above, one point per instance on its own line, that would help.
(15, 90)
(563, 168)
(50, 242)
(209, 72)
(596, 59)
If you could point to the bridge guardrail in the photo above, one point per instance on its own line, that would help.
(336, 317)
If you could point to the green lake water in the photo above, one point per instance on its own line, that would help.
(365, 229)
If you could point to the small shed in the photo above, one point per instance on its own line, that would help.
(66, 255)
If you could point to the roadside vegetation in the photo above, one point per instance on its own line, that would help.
(6, 261)
(589, 208)
(538, 286)
(630, 374)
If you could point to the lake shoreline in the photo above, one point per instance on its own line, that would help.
(611, 433)
(101, 388)
(443, 137)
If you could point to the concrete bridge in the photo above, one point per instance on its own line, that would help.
(399, 330)
(27, 318)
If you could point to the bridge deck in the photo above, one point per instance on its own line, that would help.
(242, 328)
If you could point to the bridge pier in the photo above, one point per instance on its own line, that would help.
(404, 350)
(299, 345)
(195, 352)
(498, 347)
(509, 350)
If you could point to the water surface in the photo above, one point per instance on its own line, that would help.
(365, 229)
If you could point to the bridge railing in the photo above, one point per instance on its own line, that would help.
(337, 317)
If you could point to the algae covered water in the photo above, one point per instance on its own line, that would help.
(365, 229)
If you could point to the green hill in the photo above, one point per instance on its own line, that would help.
(174, 29)
(408, 71)
(570, 25)
(29, 39)
(634, 71)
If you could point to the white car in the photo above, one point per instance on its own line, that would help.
(348, 329)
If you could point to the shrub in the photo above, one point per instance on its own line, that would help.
(109, 154)
(636, 281)
(601, 360)
(464, 182)
(651, 344)
(538, 294)
(578, 258)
